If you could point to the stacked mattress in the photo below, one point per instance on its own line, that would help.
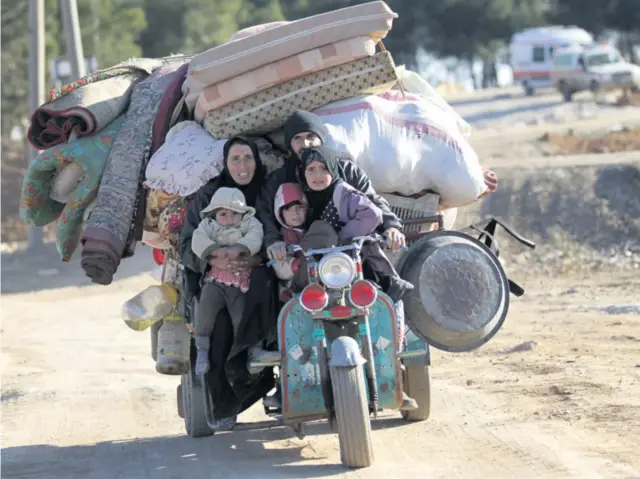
(255, 81)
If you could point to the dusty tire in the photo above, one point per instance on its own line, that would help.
(352, 415)
(195, 419)
(417, 384)
(180, 401)
(594, 87)
(567, 94)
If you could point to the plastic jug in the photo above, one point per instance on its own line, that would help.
(149, 306)
(174, 346)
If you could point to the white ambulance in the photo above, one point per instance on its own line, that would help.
(531, 53)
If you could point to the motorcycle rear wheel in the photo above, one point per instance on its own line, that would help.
(352, 415)
(417, 385)
(195, 417)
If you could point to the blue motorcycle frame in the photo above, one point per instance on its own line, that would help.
(338, 335)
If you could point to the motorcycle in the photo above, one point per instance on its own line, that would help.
(341, 353)
(340, 345)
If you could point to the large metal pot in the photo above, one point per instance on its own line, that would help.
(461, 294)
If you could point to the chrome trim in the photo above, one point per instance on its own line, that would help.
(328, 258)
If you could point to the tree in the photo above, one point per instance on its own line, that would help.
(15, 59)
(473, 29)
(401, 41)
(597, 16)
(193, 26)
(109, 31)
(166, 28)
(624, 16)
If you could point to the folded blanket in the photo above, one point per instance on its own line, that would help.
(86, 106)
(108, 227)
(172, 219)
(71, 173)
(188, 159)
(156, 202)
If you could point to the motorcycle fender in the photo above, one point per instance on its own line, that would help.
(345, 352)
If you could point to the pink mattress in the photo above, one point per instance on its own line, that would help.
(373, 19)
(287, 69)
(254, 30)
(269, 109)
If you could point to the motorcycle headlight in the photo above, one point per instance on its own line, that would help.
(337, 270)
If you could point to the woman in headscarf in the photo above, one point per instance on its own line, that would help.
(232, 388)
(306, 130)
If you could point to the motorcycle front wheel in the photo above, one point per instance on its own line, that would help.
(352, 416)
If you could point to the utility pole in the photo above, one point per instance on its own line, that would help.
(71, 25)
(36, 87)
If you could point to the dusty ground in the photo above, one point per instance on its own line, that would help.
(556, 394)
(624, 140)
(630, 99)
(81, 399)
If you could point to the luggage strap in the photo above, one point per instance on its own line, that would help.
(487, 230)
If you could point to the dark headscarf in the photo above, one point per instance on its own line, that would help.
(318, 200)
(252, 189)
(301, 121)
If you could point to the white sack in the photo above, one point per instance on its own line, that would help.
(413, 83)
(406, 145)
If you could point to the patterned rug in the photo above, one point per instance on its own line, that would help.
(108, 227)
(87, 105)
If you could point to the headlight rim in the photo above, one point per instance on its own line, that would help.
(343, 256)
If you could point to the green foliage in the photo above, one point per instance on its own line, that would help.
(109, 31)
(114, 30)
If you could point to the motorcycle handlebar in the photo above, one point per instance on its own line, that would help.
(356, 243)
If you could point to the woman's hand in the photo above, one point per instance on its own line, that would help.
(219, 259)
(239, 256)
(395, 238)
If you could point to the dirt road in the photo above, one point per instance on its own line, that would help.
(556, 394)
(81, 399)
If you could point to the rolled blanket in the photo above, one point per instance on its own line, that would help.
(71, 174)
(108, 227)
(88, 105)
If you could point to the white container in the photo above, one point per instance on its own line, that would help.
(174, 346)
(149, 306)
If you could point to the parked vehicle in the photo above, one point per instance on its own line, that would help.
(598, 68)
(531, 53)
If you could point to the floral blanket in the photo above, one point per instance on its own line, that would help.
(89, 155)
